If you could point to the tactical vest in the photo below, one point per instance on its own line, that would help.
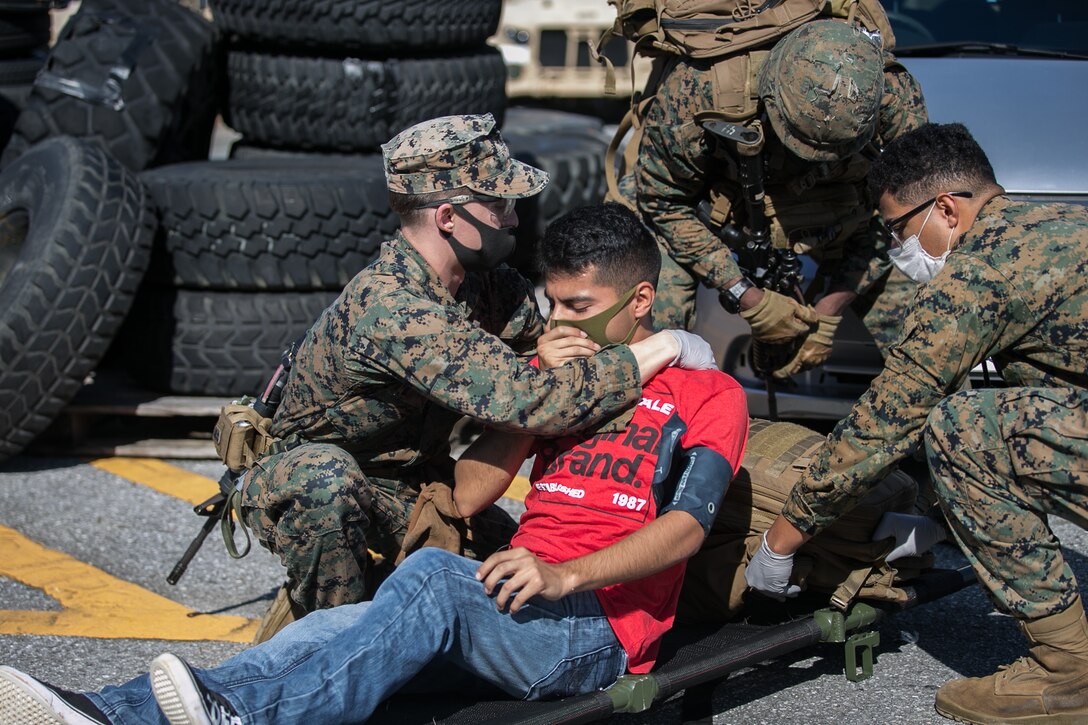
(841, 561)
(812, 207)
(714, 28)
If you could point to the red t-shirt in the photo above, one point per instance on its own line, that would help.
(588, 493)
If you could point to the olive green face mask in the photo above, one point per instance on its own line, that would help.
(595, 326)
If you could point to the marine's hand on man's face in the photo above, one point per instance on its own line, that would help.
(525, 577)
(694, 353)
(563, 343)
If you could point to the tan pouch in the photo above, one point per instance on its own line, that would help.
(435, 522)
(840, 561)
(241, 435)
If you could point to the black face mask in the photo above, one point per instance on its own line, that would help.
(496, 245)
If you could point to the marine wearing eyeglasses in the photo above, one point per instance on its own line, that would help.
(1005, 280)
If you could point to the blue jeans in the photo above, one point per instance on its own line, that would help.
(336, 665)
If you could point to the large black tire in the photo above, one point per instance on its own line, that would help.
(23, 32)
(288, 223)
(169, 99)
(29, 6)
(20, 71)
(528, 121)
(196, 342)
(75, 237)
(16, 77)
(351, 105)
(574, 160)
(374, 27)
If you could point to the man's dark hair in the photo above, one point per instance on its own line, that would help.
(933, 158)
(609, 237)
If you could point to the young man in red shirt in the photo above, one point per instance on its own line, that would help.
(586, 591)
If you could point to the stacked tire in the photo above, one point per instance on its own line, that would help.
(77, 233)
(128, 85)
(571, 148)
(110, 210)
(249, 252)
(251, 249)
(24, 41)
(140, 77)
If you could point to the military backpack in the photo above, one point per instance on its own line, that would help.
(842, 562)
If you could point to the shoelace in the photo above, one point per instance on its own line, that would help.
(1022, 666)
(219, 712)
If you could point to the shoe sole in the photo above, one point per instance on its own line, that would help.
(176, 692)
(1058, 719)
(20, 705)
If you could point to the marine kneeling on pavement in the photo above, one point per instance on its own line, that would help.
(435, 329)
(585, 594)
(1002, 280)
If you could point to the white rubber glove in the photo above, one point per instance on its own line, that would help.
(913, 534)
(695, 352)
(769, 573)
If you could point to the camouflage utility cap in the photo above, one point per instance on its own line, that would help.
(821, 87)
(453, 152)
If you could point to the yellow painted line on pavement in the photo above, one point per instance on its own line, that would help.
(161, 477)
(519, 487)
(195, 489)
(96, 604)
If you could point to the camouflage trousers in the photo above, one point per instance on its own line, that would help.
(1001, 460)
(315, 509)
(881, 309)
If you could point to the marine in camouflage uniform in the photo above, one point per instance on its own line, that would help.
(1013, 289)
(830, 98)
(387, 370)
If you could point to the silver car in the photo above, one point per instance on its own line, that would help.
(1015, 72)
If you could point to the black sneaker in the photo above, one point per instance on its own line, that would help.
(24, 700)
(183, 700)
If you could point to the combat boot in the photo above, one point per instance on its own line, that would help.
(282, 612)
(1050, 685)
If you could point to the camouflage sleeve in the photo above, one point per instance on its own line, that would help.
(865, 259)
(957, 321)
(443, 355)
(902, 108)
(671, 176)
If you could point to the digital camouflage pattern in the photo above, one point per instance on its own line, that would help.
(454, 152)
(381, 378)
(821, 88)
(316, 509)
(1015, 290)
(1001, 461)
(820, 208)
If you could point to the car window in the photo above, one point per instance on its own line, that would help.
(923, 26)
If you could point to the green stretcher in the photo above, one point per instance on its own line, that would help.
(692, 661)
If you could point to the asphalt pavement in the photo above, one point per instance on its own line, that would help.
(85, 547)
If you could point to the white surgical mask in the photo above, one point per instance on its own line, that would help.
(915, 262)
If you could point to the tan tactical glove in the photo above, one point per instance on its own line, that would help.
(814, 350)
(435, 521)
(778, 318)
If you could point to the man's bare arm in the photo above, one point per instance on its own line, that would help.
(665, 541)
(484, 471)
